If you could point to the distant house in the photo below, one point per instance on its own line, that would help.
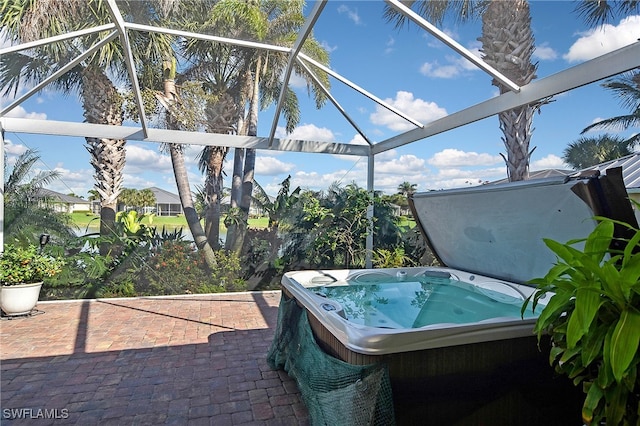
(65, 203)
(254, 210)
(167, 203)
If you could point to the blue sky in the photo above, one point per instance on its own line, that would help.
(405, 67)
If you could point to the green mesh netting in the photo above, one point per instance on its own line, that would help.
(335, 392)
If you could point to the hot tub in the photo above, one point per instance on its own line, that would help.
(486, 370)
(387, 313)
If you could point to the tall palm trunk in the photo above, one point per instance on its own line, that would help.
(507, 44)
(103, 105)
(220, 118)
(243, 177)
(213, 191)
(169, 99)
(235, 203)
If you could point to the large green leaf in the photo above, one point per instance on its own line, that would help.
(587, 303)
(630, 274)
(597, 243)
(592, 344)
(564, 251)
(594, 395)
(556, 305)
(624, 342)
(615, 410)
(632, 245)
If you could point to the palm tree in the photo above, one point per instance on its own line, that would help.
(27, 213)
(102, 103)
(600, 12)
(627, 88)
(587, 152)
(407, 189)
(507, 45)
(281, 20)
(170, 99)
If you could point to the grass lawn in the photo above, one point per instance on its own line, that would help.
(84, 219)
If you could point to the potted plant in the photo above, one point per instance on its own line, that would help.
(22, 271)
(593, 320)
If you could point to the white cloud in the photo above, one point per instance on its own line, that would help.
(389, 45)
(352, 14)
(270, 166)
(78, 182)
(19, 112)
(454, 66)
(458, 178)
(12, 149)
(418, 109)
(455, 158)
(326, 46)
(309, 132)
(140, 160)
(296, 81)
(403, 165)
(604, 39)
(317, 181)
(551, 161)
(544, 52)
(358, 140)
(138, 182)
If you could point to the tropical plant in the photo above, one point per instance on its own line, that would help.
(29, 21)
(406, 188)
(136, 199)
(132, 224)
(330, 229)
(26, 265)
(390, 258)
(589, 151)
(162, 69)
(27, 212)
(276, 22)
(593, 320)
(601, 12)
(507, 45)
(627, 88)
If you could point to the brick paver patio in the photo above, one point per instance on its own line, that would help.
(197, 360)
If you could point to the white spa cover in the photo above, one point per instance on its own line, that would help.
(498, 230)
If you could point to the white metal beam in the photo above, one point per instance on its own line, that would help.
(128, 58)
(334, 101)
(58, 73)
(63, 128)
(206, 37)
(55, 39)
(303, 34)
(426, 25)
(596, 69)
(360, 90)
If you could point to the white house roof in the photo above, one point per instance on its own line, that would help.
(630, 169)
(164, 197)
(57, 196)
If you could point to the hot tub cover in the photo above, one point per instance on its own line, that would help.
(498, 230)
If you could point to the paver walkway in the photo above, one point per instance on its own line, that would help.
(196, 360)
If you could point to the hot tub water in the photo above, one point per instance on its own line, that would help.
(384, 301)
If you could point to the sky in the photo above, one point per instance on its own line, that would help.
(407, 68)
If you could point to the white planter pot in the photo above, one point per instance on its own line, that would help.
(19, 299)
